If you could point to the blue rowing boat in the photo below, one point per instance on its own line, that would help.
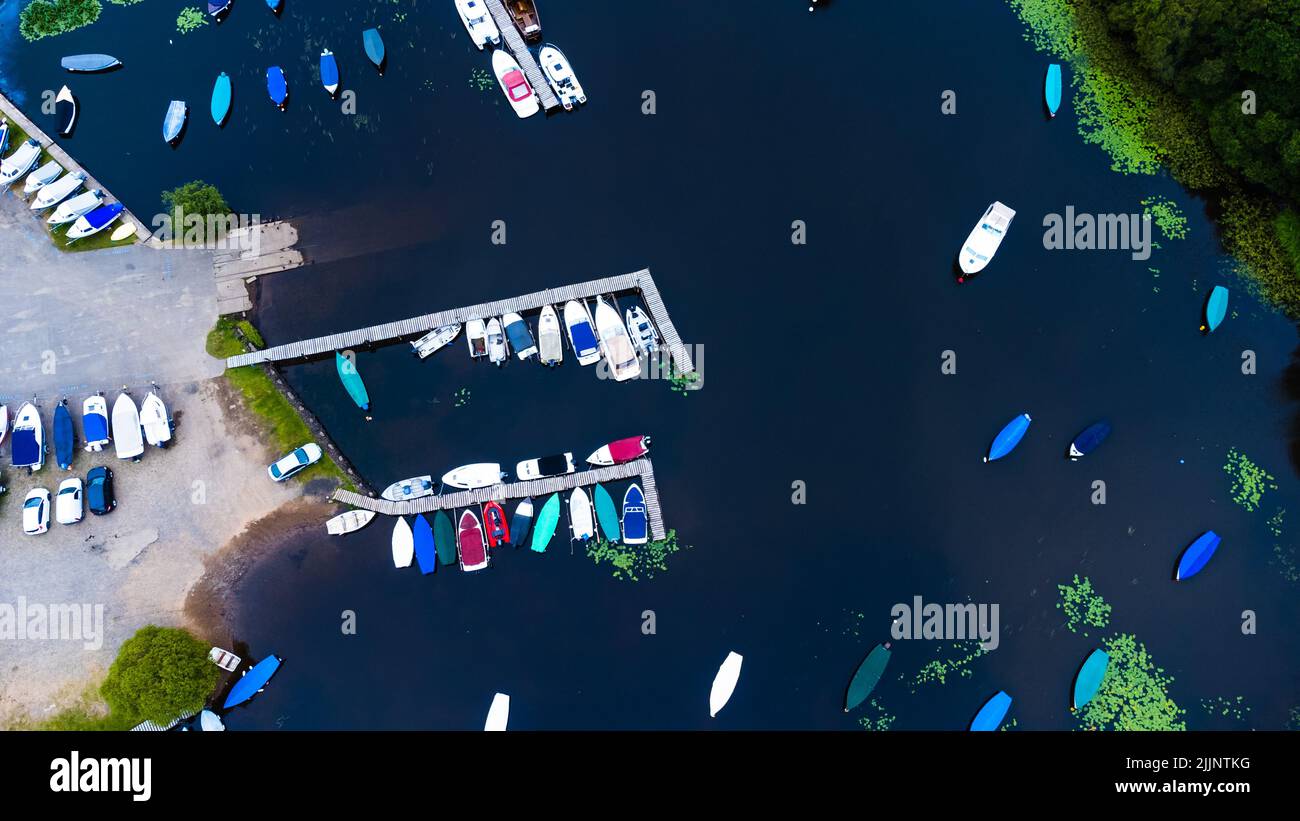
(1089, 679)
(1197, 554)
(82, 63)
(1088, 440)
(329, 72)
(990, 716)
(1216, 308)
(1052, 88)
(174, 120)
(253, 681)
(1009, 437)
(275, 5)
(352, 381)
(425, 553)
(374, 44)
(221, 99)
(63, 436)
(277, 86)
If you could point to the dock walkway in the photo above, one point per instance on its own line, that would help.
(515, 42)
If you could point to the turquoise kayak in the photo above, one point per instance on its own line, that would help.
(1009, 437)
(352, 381)
(867, 676)
(221, 99)
(1216, 308)
(990, 716)
(607, 515)
(1052, 88)
(1089, 678)
(547, 520)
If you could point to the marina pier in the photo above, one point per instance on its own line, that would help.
(515, 42)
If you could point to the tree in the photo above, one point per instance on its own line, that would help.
(199, 199)
(160, 673)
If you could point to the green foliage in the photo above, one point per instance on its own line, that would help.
(160, 673)
(683, 382)
(1249, 481)
(877, 718)
(631, 562)
(1134, 694)
(196, 197)
(47, 18)
(190, 19)
(1167, 216)
(224, 342)
(1082, 605)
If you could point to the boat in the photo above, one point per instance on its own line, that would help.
(216, 8)
(1216, 308)
(479, 23)
(524, 14)
(220, 105)
(128, 441)
(89, 63)
(57, 191)
(620, 450)
(582, 333)
(984, 239)
(4, 135)
(990, 716)
(95, 221)
(403, 543)
(41, 177)
(255, 678)
(94, 423)
(174, 121)
(349, 522)
(580, 521)
(866, 677)
(561, 77)
(224, 659)
(498, 353)
(79, 205)
(557, 465)
(277, 87)
(514, 84)
(724, 683)
(352, 381)
(644, 335)
(1197, 554)
(19, 162)
(435, 340)
(1090, 676)
(27, 439)
(417, 487)
(64, 436)
(606, 514)
(494, 522)
(498, 714)
(615, 344)
(425, 553)
(329, 72)
(634, 516)
(1008, 437)
(521, 521)
(122, 232)
(470, 477)
(548, 519)
(444, 538)
(155, 421)
(550, 342)
(1052, 89)
(473, 552)
(210, 723)
(275, 5)
(4, 427)
(374, 44)
(476, 336)
(65, 111)
(521, 339)
(1088, 440)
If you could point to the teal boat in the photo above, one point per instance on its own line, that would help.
(990, 716)
(444, 539)
(868, 674)
(1089, 678)
(375, 48)
(1052, 89)
(1216, 308)
(352, 381)
(607, 514)
(221, 99)
(547, 520)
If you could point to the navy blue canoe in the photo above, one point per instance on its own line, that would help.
(425, 553)
(1009, 437)
(1087, 441)
(254, 680)
(63, 436)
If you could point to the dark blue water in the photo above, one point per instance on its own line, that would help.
(821, 362)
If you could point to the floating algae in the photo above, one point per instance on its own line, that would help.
(1167, 215)
(460, 398)
(190, 19)
(877, 718)
(480, 79)
(1234, 708)
(961, 654)
(1134, 695)
(1082, 605)
(1249, 481)
(630, 563)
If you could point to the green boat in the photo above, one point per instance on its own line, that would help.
(607, 514)
(352, 380)
(868, 674)
(1089, 679)
(444, 538)
(547, 520)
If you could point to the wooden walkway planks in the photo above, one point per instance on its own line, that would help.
(515, 42)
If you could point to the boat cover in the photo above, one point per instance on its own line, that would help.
(95, 426)
(553, 465)
(584, 339)
(25, 450)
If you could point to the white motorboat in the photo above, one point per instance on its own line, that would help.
(556, 465)
(478, 22)
(581, 522)
(561, 77)
(514, 84)
(498, 353)
(469, 477)
(57, 191)
(436, 339)
(349, 522)
(498, 714)
(518, 336)
(615, 343)
(65, 109)
(27, 442)
(549, 338)
(128, 440)
(984, 239)
(582, 332)
(19, 162)
(94, 423)
(78, 206)
(41, 177)
(644, 335)
(476, 336)
(153, 418)
(724, 683)
(403, 543)
(417, 487)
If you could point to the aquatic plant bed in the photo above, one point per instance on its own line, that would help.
(632, 562)
(48, 18)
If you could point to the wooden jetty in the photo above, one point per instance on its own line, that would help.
(539, 489)
(250, 252)
(640, 281)
(515, 42)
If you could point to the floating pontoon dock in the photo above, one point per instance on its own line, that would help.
(523, 56)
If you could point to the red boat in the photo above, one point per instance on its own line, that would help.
(494, 518)
(473, 553)
(621, 450)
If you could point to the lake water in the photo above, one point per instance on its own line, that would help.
(821, 361)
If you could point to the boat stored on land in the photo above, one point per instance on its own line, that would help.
(478, 22)
(64, 436)
(65, 111)
(547, 521)
(476, 337)
(220, 105)
(606, 513)
(644, 335)
(990, 716)
(634, 520)
(1008, 437)
(866, 677)
(4, 423)
(444, 538)
(329, 72)
(494, 524)
(983, 241)
(521, 339)
(1089, 439)
(514, 84)
(521, 521)
(417, 487)
(434, 340)
(498, 353)
(374, 44)
(620, 451)
(155, 421)
(57, 191)
(94, 423)
(80, 205)
(403, 543)
(526, 19)
(581, 523)
(1090, 676)
(174, 120)
(426, 555)
(549, 339)
(498, 714)
(561, 77)
(277, 86)
(557, 465)
(615, 344)
(89, 63)
(19, 162)
(27, 441)
(1052, 89)
(473, 551)
(122, 232)
(41, 177)
(724, 683)
(253, 681)
(128, 441)
(582, 332)
(352, 381)
(1196, 555)
(95, 221)
(470, 477)
(349, 522)
(1216, 308)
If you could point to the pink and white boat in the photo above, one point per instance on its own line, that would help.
(473, 550)
(621, 450)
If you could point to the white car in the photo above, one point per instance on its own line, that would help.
(308, 454)
(36, 512)
(68, 505)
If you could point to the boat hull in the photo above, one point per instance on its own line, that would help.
(580, 518)
(254, 680)
(724, 683)
(64, 437)
(1089, 439)
(1090, 676)
(128, 440)
(494, 524)
(1052, 89)
(521, 522)
(634, 521)
(1197, 555)
(545, 526)
(866, 677)
(990, 716)
(1008, 437)
(426, 555)
(471, 544)
(1216, 308)
(403, 543)
(606, 514)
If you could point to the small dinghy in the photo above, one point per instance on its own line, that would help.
(867, 676)
(375, 50)
(78, 206)
(1052, 89)
(27, 441)
(1196, 556)
(984, 239)
(349, 522)
(557, 465)
(275, 5)
(470, 477)
(526, 19)
(476, 337)
(582, 333)
(89, 63)
(521, 339)
(634, 520)
(403, 543)
(277, 87)
(724, 683)
(548, 519)
(122, 232)
(1089, 679)
(352, 381)
(94, 423)
(550, 340)
(644, 335)
(494, 522)
(220, 105)
(155, 421)
(217, 8)
(64, 436)
(435, 340)
(580, 519)
(514, 84)
(1008, 437)
(478, 22)
(561, 77)
(19, 162)
(57, 191)
(473, 550)
(606, 514)
(1088, 440)
(210, 723)
(174, 120)
(990, 716)
(417, 487)
(329, 72)
(498, 353)
(620, 450)
(253, 681)
(444, 538)
(41, 177)
(128, 441)
(498, 714)
(615, 344)
(521, 521)
(95, 221)
(65, 111)
(425, 553)
(1216, 308)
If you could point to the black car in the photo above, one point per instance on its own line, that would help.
(99, 491)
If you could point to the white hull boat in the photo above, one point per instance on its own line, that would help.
(498, 353)
(349, 522)
(476, 336)
(27, 445)
(581, 521)
(498, 714)
(984, 238)
(417, 487)
(4, 423)
(94, 423)
(616, 344)
(78, 206)
(57, 191)
(19, 162)
(41, 177)
(724, 683)
(561, 77)
(127, 438)
(469, 477)
(644, 335)
(514, 84)
(478, 22)
(582, 332)
(66, 109)
(557, 465)
(434, 340)
(518, 336)
(403, 543)
(549, 338)
(153, 417)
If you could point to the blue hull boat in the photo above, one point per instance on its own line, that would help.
(425, 553)
(1087, 441)
(1089, 679)
(352, 381)
(1196, 556)
(375, 48)
(174, 120)
(990, 716)
(95, 221)
(216, 8)
(521, 521)
(277, 86)
(1052, 88)
(634, 518)
(1216, 308)
(253, 681)
(221, 99)
(1009, 437)
(89, 62)
(275, 5)
(329, 72)
(63, 436)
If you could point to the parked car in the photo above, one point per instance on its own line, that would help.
(36, 511)
(308, 454)
(68, 506)
(99, 491)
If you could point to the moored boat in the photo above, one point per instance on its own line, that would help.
(1216, 308)
(990, 716)
(65, 111)
(582, 333)
(174, 120)
(606, 514)
(724, 683)
(1089, 439)
(521, 521)
(983, 241)
(620, 450)
(444, 538)
(277, 87)
(494, 524)
(513, 83)
(19, 162)
(1196, 555)
(374, 44)
(89, 63)
(95, 221)
(352, 381)
(867, 675)
(561, 77)
(1052, 89)
(476, 338)
(349, 522)
(218, 8)
(94, 422)
(644, 335)
(469, 477)
(417, 487)
(550, 342)
(275, 5)
(479, 23)
(548, 519)
(1008, 437)
(615, 344)
(634, 521)
(27, 439)
(64, 436)
(329, 72)
(220, 104)
(57, 191)
(521, 339)
(4, 135)
(253, 681)
(498, 353)
(498, 716)
(403, 543)
(155, 421)
(473, 550)
(540, 468)
(434, 340)
(41, 177)
(128, 441)
(80, 205)
(525, 17)
(581, 524)
(1090, 676)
